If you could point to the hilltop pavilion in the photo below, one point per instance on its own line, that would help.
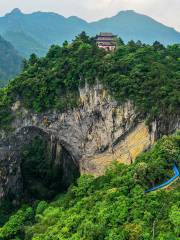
(106, 41)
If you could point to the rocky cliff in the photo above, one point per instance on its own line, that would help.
(96, 133)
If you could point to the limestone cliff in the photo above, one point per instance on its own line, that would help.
(96, 133)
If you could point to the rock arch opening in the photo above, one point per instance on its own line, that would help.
(47, 168)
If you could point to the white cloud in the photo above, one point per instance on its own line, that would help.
(165, 11)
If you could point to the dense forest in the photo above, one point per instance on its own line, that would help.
(110, 207)
(114, 206)
(10, 62)
(147, 75)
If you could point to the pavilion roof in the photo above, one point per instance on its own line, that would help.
(106, 34)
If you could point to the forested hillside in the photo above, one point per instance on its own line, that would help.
(114, 206)
(110, 207)
(36, 32)
(146, 75)
(10, 62)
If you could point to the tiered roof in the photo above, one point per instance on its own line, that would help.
(106, 34)
(105, 39)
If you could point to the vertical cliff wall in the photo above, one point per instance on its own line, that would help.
(96, 133)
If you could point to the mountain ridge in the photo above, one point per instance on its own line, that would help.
(10, 61)
(47, 28)
(18, 11)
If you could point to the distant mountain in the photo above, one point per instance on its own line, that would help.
(10, 62)
(44, 29)
(25, 44)
(133, 26)
(37, 31)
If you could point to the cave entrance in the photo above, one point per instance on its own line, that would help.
(44, 172)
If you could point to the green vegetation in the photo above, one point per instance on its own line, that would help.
(147, 75)
(10, 62)
(53, 81)
(110, 207)
(113, 206)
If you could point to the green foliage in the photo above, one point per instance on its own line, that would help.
(175, 217)
(41, 207)
(110, 207)
(113, 206)
(14, 228)
(146, 75)
(53, 82)
(5, 110)
(160, 160)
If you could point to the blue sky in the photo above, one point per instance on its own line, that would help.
(165, 11)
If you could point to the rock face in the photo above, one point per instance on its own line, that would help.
(94, 134)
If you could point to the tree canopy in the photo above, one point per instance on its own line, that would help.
(110, 207)
(147, 75)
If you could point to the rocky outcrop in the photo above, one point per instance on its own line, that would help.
(96, 133)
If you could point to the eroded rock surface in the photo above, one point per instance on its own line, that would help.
(96, 133)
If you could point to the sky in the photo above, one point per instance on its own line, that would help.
(164, 11)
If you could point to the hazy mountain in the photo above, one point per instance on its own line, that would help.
(131, 25)
(37, 31)
(10, 61)
(25, 44)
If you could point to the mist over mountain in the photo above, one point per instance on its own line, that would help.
(10, 61)
(37, 31)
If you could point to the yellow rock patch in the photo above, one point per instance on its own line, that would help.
(124, 152)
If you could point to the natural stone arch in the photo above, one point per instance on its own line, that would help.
(96, 133)
(11, 161)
